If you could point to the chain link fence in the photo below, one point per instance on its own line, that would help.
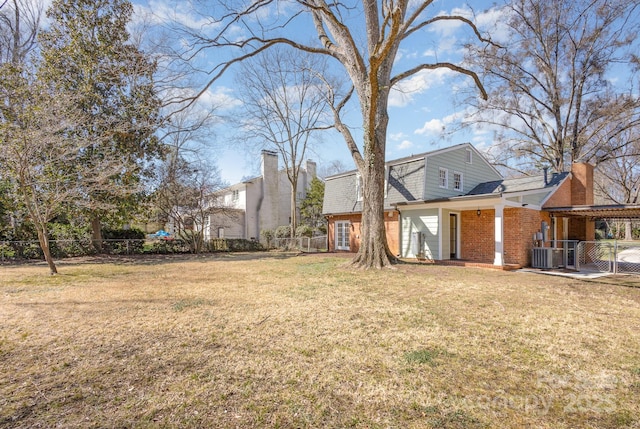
(24, 250)
(305, 244)
(17, 250)
(617, 257)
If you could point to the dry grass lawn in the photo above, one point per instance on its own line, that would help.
(274, 340)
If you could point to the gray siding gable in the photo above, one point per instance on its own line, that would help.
(413, 178)
(454, 160)
(404, 182)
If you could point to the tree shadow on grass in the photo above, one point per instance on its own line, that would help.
(162, 259)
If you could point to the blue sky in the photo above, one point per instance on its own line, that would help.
(419, 111)
(421, 108)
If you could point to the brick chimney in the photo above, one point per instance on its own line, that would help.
(269, 164)
(270, 192)
(311, 169)
(581, 183)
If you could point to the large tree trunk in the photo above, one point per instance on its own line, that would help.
(374, 251)
(43, 238)
(96, 233)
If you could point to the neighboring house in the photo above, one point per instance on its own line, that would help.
(452, 204)
(260, 203)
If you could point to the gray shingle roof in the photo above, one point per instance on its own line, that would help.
(520, 184)
(340, 195)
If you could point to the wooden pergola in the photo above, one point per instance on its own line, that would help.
(611, 211)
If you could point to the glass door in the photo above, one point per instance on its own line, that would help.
(453, 236)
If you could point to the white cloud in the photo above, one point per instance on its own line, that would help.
(164, 12)
(438, 125)
(405, 144)
(397, 136)
(434, 126)
(221, 98)
(429, 53)
(495, 21)
(405, 91)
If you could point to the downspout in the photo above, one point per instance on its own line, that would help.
(258, 207)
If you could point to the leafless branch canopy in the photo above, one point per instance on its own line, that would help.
(550, 99)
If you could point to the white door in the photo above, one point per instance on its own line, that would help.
(342, 235)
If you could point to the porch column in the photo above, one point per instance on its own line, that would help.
(499, 236)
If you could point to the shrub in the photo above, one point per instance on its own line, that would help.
(283, 231)
(69, 240)
(233, 245)
(304, 231)
(267, 235)
(123, 234)
(164, 247)
(123, 241)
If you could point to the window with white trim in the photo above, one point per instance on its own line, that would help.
(469, 156)
(235, 196)
(457, 181)
(342, 235)
(443, 178)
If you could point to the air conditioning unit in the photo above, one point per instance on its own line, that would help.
(546, 258)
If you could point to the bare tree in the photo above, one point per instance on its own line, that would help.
(19, 25)
(185, 194)
(187, 199)
(38, 155)
(364, 38)
(284, 105)
(332, 167)
(550, 97)
(617, 180)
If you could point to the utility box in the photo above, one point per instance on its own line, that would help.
(417, 244)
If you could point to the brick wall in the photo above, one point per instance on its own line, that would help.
(519, 226)
(477, 234)
(354, 240)
(581, 228)
(581, 183)
(562, 196)
(392, 225)
(390, 222)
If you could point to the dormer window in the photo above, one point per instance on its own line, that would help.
(235, 196)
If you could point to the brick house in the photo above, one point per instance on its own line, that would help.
(452, 204)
